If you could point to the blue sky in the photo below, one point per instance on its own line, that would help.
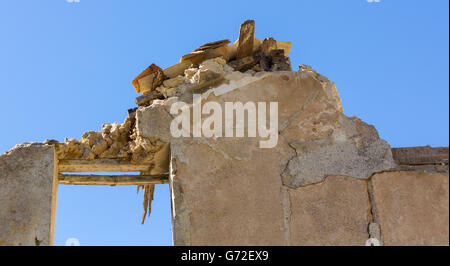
(66, 68)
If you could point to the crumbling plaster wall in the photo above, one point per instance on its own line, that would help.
(28, 195)
(313, 188)
(116, 141)
(330, 180)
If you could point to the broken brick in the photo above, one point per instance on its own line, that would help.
(149, 79)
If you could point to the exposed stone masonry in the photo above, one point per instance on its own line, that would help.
(329, 180)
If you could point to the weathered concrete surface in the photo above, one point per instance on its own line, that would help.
(412, 207)
(229, 202)
(229, 191)
(27, 195)
(329, 143)
(334, 212)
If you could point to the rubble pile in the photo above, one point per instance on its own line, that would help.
(115, 141)
(207, 65)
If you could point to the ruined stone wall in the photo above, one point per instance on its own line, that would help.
(411, 207)
(330, 180)
(28, 195)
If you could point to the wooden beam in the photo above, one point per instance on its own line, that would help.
(268, 45)
(113, 180)
(420, 155)
(246, 39)
(147, 97)
(100, 165)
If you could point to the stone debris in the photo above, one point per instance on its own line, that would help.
(207, 51)
(149, 79)
(303, 68)
(274, 60)
(246, 39)
(244, 64)
(177, 69)
(207, 65)
(120, 141)
(173, 82)
(279, 61)
(143, 99)
(268, 45)
(115, 141)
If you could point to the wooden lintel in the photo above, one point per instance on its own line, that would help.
(424, 155)
(113, 180)
(100, 165)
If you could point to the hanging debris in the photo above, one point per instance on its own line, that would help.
(148, 191)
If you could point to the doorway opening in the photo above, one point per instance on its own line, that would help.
(107, 210)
